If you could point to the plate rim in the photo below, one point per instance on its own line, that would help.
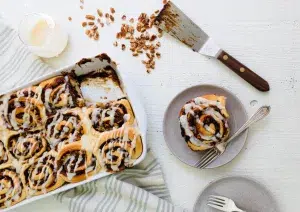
(238, 176)
(181, 92)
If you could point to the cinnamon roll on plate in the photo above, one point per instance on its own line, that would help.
(200, 117)
(204, 122)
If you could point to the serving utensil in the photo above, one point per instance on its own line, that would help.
(223, 204)
(172, 20)
(219, 149)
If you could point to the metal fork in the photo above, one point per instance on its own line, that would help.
(215, 152)
(223, 204)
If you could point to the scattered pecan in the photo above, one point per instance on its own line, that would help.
(90, 17)
(143, 42)
(111, 18)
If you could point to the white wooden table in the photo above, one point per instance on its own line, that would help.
(265, 35)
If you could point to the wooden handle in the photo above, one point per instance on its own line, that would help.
(243, 71)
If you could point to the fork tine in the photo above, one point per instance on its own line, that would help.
(205, 161)
(204, 157)
(215, 206)
(210, 153)
(216, 202)
(208, 161)
(218, 197)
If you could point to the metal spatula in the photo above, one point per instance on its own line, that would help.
(172, 20)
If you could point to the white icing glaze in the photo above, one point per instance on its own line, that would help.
(126, 117)
(47, 98)
(87, 143)
(202, 104)
(17, 165)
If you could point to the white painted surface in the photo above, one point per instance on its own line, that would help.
(262, 34)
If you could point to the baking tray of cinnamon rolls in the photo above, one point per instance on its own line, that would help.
(78, 124)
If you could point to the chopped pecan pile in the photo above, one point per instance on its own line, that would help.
(141, 38)
(93, 23)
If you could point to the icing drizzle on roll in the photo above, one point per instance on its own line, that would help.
(65, 127)
(12, 190)
(61, 92)
(25, 146)
(118, 149)
(111, 116)
(41, 176)
(204, 122)
(22, 113)
(75, 164)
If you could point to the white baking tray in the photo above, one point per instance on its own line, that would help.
(82, 67)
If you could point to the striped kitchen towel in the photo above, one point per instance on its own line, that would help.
(141, 188)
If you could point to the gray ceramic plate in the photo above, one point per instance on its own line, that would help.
(172, 132)
(248, 195)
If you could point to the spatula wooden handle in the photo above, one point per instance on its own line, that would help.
(243, 71)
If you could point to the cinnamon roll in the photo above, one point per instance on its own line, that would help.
(26, 145)
(3, 154)
(118, 149)
(204, 122)
(22, 112)
(75, 163)
(65, 127)
(12, 190)
(61, 92)
(112, 116)
(41, 176)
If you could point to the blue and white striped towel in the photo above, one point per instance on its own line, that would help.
(141, 188)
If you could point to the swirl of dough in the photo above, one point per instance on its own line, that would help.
(112, 116)
(65, 127)
(118, 149)
(61, 92)
(12, 190)
(41, 176)
(204, 122)
(25, 146)
(75, 163)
